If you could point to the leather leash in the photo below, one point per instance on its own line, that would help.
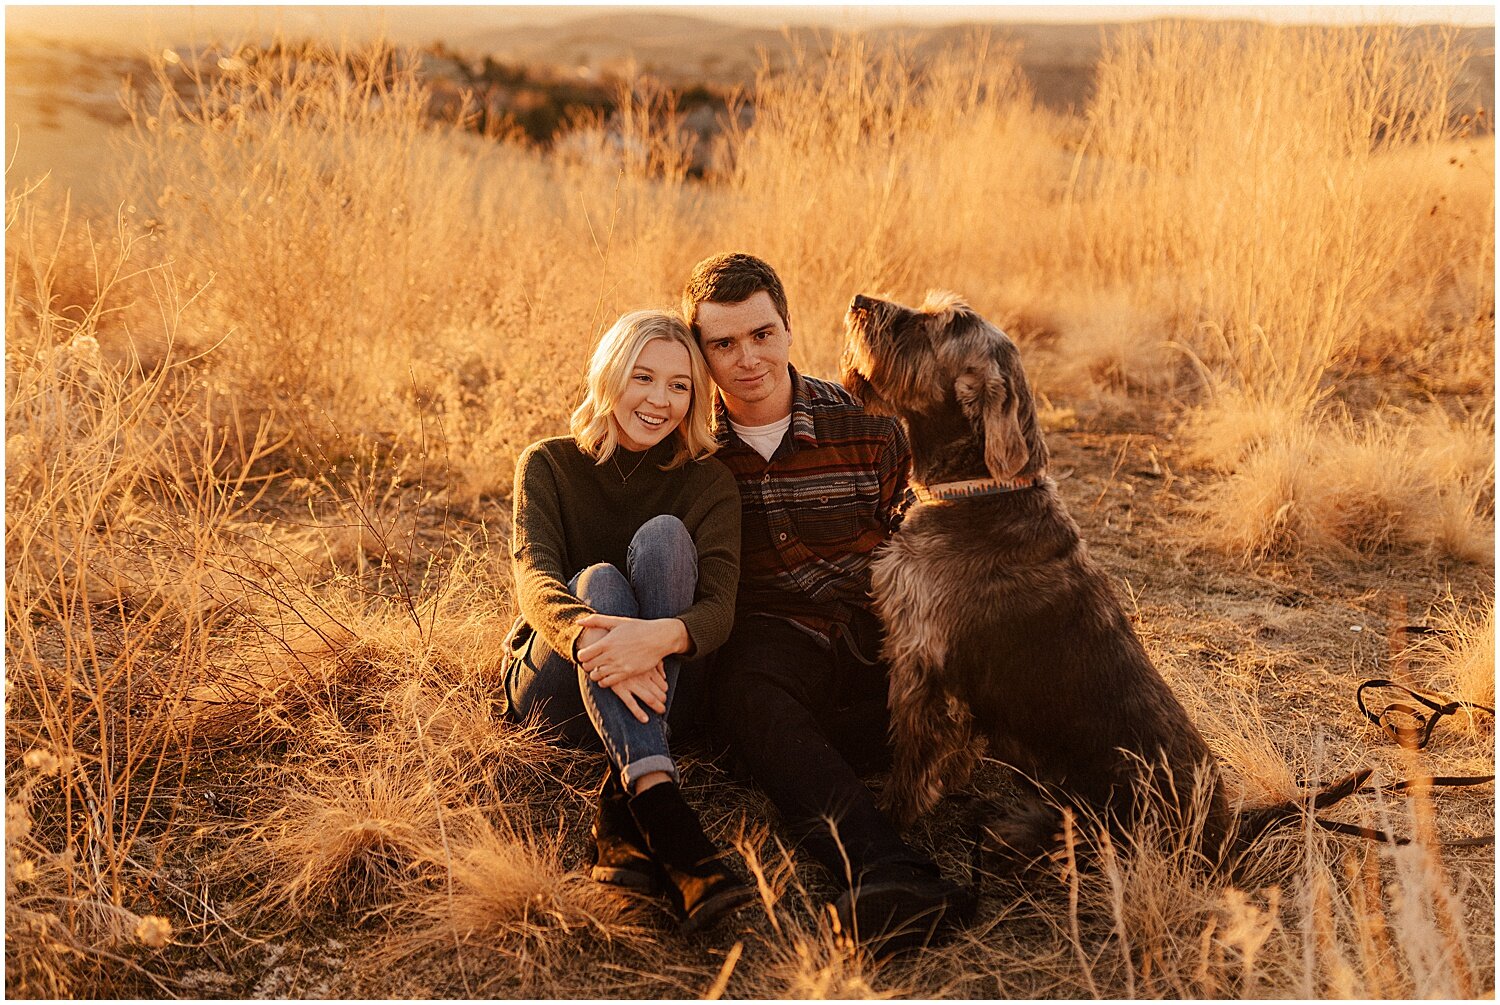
(1409, 736)
(1354, 784)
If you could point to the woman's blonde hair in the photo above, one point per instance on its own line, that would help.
(610, 367)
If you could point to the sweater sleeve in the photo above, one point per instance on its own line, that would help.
(717, 537)
(537, 549)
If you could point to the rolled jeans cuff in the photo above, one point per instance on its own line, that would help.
(635, 770)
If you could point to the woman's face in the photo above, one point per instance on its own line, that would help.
(656, 396)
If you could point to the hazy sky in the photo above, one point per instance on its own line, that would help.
(939, 13)
(425, 23)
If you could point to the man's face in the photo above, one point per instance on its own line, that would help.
(748, 348)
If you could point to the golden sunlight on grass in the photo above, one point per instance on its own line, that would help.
(261, 429)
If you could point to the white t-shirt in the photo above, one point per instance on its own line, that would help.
(764, 439)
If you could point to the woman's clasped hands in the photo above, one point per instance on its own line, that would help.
(625, 655)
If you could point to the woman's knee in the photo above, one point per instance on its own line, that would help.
(605, 588)
(663, 530)
(664, 560)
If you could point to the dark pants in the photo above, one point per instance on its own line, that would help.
(804, 722)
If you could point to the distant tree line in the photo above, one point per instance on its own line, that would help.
(498, 98)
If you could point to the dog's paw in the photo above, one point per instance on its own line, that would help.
(904, 803)
(1025, 834)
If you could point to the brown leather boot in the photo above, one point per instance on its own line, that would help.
(620, 855)
(701, 888)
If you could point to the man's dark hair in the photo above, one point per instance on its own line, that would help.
(728, 279)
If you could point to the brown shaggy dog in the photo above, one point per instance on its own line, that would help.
(997, 621)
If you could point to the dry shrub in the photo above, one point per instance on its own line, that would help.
(1235, 427)
(350, 835)
(1470, 661)
(1257, 512)
(1108, 344)
(400, 764)
(495, 892)
(1346, 486)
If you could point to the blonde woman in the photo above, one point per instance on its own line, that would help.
(626, 555)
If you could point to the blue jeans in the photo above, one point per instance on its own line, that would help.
(659, 581)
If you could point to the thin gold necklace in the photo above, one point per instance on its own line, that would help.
(615, 459)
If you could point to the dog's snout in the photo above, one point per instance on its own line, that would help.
(861, 303)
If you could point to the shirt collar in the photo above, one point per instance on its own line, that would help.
(803, 428)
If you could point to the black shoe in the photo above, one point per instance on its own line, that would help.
(702, 890)
(620, 855)
(900, 907)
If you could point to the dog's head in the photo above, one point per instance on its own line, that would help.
(953, 378)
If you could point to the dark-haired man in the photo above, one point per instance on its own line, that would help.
(800, 688)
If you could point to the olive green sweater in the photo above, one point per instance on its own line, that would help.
(571, 513)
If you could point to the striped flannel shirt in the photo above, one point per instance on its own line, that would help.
(812, 516)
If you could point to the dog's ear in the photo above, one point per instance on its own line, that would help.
(995, 410)
(857, 384)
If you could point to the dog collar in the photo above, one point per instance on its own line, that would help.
(945, 491)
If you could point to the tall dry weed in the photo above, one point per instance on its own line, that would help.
(1308, 201)
(301, 181)
(379, 281)
(864, 171)
(118, 484)
(1245, 167)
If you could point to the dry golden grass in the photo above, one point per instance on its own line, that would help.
(260, 432)
(1242, 172)
(1458, 661)
(1390, 479)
